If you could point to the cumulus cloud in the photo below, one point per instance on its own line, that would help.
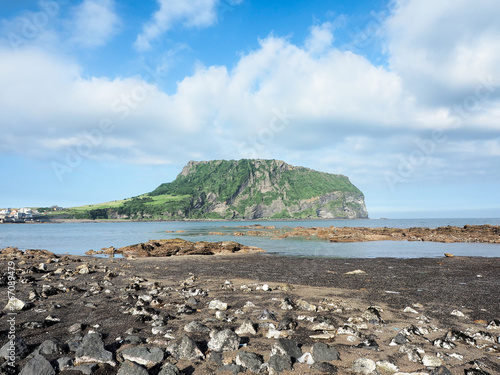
(310, 104)
(94, 23)
(444, 50)
(190, 14)
(321, 38)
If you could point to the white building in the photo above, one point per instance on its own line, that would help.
(4, 213)
(26, 212)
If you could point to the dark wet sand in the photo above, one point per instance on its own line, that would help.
(459, 281)
(437, 285)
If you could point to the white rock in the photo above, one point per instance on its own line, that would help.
(355, 272)
(246, 328)
(273, 333)
(306, 358)
(304, 305)
(249, 305)
(431, 361)
(220, 315)
(15, 304)
(410, 310)
(458, 313)
(323, 327)
(363, 366)
(83, 269)
(217, 305)
(387, 366)
(323, 336)
(158, 330)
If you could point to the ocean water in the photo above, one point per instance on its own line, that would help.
(77, 238)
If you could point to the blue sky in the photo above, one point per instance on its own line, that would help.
(105, 99)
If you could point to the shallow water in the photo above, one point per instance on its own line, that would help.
(77, 238)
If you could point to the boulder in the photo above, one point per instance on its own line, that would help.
(322, 352)
(325, 368)
(91, 350)
(169, 369)
(187, 348)
(223, 341)
(217, 305)
(18, 346)
(279, 363)
(363, 366)
(250, 361)
(131, 368)
(246, 328)
(38, 365)
(48, 347)
(144, 356)
(287, 347)
(196, 326)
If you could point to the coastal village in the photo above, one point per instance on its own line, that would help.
(23, 215)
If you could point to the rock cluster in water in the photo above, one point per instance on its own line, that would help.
(177, 246)
(448, 234)
(100, 316)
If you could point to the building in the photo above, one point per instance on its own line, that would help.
(26, 212)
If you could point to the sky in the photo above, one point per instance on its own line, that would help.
(103, 99)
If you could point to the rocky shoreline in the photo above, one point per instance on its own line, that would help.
(449, 234)
(249, 313)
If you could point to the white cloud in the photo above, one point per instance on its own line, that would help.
(190, 14)
(443, 49)
(321, 38)
(94, 23)
(312, 104)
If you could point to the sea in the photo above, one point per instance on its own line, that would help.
(77, 238)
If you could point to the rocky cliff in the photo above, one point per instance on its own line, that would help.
(255, 189)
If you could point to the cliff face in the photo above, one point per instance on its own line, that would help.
(254, 189)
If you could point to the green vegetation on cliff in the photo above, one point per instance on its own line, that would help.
(241, 189)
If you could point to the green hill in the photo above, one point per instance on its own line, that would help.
(241, 189)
